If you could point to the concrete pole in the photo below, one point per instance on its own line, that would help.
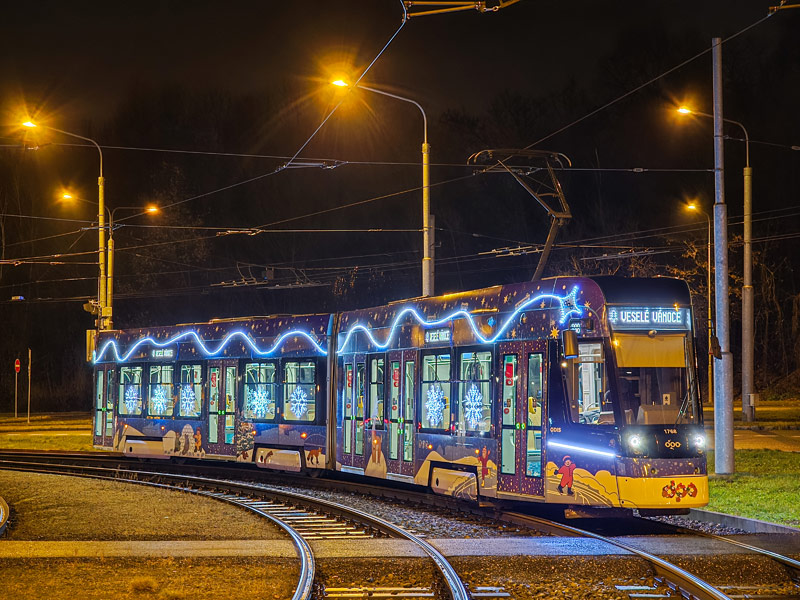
(723, 373)
(110, 288)
(427, 280)
(710, 317)
(29, 386)
(101, 241)
(748, 341)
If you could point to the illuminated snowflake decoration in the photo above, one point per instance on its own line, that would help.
(187, 399)
(435, 405)
(259, 401)
(298, 402)
(473, 406)
(159, 399)
(132, 398)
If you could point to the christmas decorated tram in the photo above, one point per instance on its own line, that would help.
(576, 391)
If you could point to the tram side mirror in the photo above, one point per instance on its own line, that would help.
(569, 343)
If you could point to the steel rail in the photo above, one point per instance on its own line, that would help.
(304, 588)
(673, 574)
(453, 582)
(792, 565)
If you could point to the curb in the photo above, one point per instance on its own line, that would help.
(748, 525)
(4, 514)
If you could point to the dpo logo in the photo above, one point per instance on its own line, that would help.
(672, 445)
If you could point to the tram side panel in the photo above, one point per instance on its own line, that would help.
(245, 390)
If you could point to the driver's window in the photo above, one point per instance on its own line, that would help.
(586, 386)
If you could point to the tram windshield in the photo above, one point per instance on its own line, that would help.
(656, 379)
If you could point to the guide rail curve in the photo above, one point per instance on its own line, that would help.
(241, 494)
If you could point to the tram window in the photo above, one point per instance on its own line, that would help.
(435, 395)
(657, 383)
(190, 394)
(260, 390)
(394, 410)
(99, 402)
(160, 402)
(376, 385)
(110, 386)
(408, 411)
(300, 391)
(130, 391)
(475, 396)
(586, 385)
(360, 392)
(533, 455)
(535, 390)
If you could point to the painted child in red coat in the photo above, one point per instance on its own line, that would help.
(566, 475)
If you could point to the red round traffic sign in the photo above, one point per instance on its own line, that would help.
(16, 366)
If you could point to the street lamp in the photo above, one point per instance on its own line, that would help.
(694, 207)
(150, 209)
(427, 245)
(748, 342)
(101, 229)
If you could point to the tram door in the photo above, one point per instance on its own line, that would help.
(355, 415)
(105, 380)
(222, 387)
(521, 392)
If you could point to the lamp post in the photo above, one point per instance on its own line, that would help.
(101, 229)
(427, 242)
(152, 209)
(748, 341)
(710, 326)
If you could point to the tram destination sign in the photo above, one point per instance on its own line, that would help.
(162, 353)
(437, 336)
(649, 317)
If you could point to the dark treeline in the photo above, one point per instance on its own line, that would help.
(171, 268)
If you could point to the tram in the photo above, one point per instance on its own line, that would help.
(578, 391)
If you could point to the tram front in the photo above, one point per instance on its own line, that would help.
(631, 433)
(661, 460)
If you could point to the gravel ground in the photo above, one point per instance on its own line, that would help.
(679, 521)
(424, 521)
(57, 507)
(527, 578)
(149, 579)
(404, 572)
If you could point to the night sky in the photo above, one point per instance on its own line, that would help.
(224, 80)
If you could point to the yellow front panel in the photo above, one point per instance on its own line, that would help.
(679, 491)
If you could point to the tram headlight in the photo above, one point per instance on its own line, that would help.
(636, 443)
(700, 441)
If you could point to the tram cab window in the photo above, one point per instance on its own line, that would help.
(130, 392)
(376, 391)
(260, 390)
(160, 401)
(585, 378)
(474, 393)
(435, 396)
(657, 382)
(299, 391)
(190, 393)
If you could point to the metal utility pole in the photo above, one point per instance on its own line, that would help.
(723, 374)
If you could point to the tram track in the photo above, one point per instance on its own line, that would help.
(302, 517)
(343, 522)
